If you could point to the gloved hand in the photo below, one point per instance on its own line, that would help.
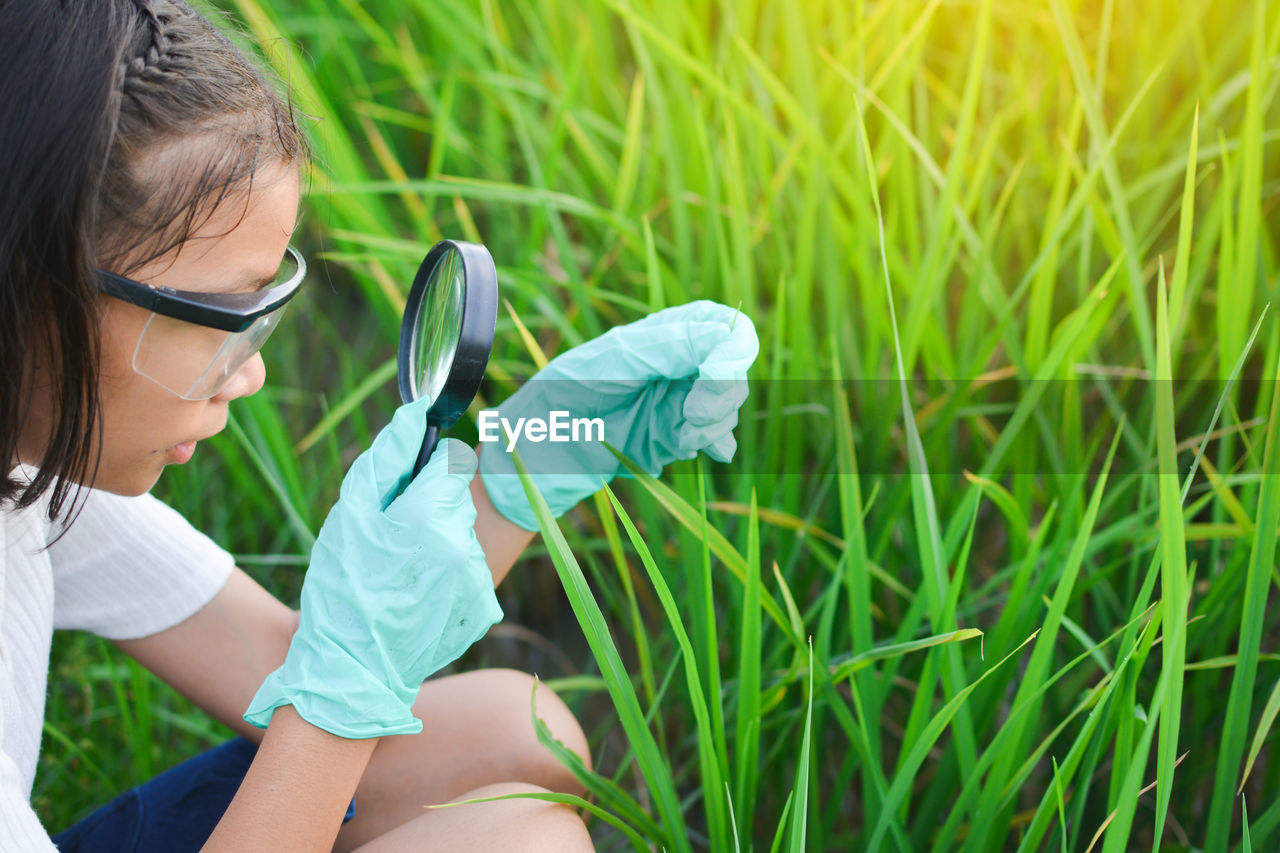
(665, 387)
(397, 588)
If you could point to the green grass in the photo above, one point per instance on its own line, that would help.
(991, 567)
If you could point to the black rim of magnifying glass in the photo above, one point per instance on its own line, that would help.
(475, 339)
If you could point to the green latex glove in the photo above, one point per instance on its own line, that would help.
(397, 588)
(666, 387)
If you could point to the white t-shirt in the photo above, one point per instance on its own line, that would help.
(127, 568)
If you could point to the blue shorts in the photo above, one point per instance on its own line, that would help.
(174, 812)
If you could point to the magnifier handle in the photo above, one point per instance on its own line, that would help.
(428, 445)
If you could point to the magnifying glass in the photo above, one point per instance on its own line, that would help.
(447, 334)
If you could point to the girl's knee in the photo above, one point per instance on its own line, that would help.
(535, 825)
(526, 825)
(486, 716)
(549, 707)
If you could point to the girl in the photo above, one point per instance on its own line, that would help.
(149, 182)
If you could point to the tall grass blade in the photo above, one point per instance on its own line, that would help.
(1261, 564)
(800, 815)
(603, 789)
(717, 822)
(747, 722)
(1174, 587)
(920, 750)
(1265, 723)
(649, 758)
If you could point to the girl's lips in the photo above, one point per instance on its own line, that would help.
(181, 453)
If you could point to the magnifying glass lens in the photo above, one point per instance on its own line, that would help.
(446, 334)
(439, 325)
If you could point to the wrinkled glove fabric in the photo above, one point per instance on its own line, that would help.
(397, 588)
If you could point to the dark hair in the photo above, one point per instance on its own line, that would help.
(94, 94)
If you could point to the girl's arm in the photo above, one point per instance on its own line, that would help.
(502, 541)
(219, 656)
(296, 790)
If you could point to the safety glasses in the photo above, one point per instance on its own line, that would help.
(193, 342)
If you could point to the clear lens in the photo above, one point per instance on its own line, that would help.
(438, 326)
(193, 361)
(290, 266)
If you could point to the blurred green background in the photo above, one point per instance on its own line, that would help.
(996, 551)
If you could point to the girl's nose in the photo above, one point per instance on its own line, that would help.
(246, 381)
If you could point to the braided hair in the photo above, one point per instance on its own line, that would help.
(123, 125)
(156, 53)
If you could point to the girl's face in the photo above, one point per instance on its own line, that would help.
(144, 426)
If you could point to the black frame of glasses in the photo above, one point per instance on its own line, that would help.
(230, 312)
